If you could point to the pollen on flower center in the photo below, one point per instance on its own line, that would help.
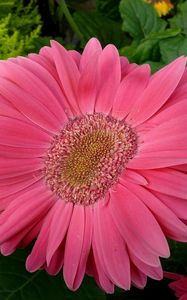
(88, 156)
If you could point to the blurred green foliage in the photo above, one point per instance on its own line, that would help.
(20, 27)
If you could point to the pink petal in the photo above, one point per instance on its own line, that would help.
(153, 272)
(167, 181)
(58, 227)
(32, 84)
(45, 62)
(32, 234)
(109, 76)
(96, 268)
(168, 135)
(45, 76)
(26, 212)
(169, 113)
(158, 159)
(129, 90)
(87, 85)
(85, 247)
(76, 56)
(12, 167)
(125, 205)
(20, 134)
(19, 183)
(56, 262)
(124, 65)
(138, 278)
(112, 246)
(171, 225)
(133, 176)
(73, 247)
(177, 205)
(37, 257)
(21, 152)
(7, 110)
(67, 71)
(159, 90)
(92, 47)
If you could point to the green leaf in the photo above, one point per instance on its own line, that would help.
(180, 19)
(139, 18)
(177, 262)
(5, 7)
(16, 283)
(148, 48)
(173, 47)
(109, 8)
(95, 24)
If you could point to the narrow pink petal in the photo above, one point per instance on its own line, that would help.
(67, 71)
(182, 168)
(95, 267)
(20, 134)
(32, 234)
(45, 62)
(109, 76)
(113, 248)
(32, 84)
(56, 262)
(21, 152)
(12, 167)
(37, 257)
(7, 110)
(87, 85)
(169, 113)
(130, 90)
(124, 65)
(138, 278)
(159, 90)
(45, 76)
(153, 272)
(158, 159)
(92, 47)
(73, 247)
(169, 222)
(23, 181)
(76, 56)
(133, 240)
(27, 212)
(177, 205)
(144, 224)
(85, 247)
(58, 227)
(167, 181)
(133, 176)
(19, 239)
(32, 109)
(169, 135)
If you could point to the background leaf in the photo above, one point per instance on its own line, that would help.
(180, 19)
(139, 18)
(95, 24)
(173, 47)
(16, 283)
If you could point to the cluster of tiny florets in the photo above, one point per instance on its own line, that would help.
(88, 156)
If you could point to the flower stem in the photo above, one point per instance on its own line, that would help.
(70, 19)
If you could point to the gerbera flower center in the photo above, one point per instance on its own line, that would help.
(88, 156)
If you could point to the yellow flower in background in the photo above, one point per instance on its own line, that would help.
(162, 7)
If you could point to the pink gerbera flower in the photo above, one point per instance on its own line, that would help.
(93, 160)
(179, 285)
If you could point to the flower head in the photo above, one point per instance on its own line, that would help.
(93, 163)
(179, 285)
(162, 7)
